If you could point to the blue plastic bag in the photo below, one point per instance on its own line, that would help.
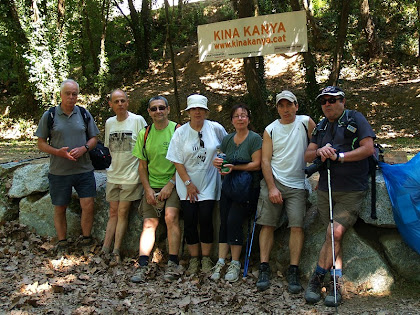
(403, 185)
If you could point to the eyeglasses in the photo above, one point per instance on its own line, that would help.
(331, 100)
(200, 136)
(243, 116)
(161, 108)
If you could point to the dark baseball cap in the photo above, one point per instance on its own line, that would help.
(331, 90)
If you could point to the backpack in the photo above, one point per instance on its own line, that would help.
(146, 134)
(373, 160)
(100, 155)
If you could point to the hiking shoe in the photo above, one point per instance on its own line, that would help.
(263, 282)
(140, 275)
(173, 271)
(115, 259)
(206, 264)
(313, 291)
(194, 266)
(233, 271)
(217, 270)
(329, 299)
(292, 277)
(61, 248)
(86, 241)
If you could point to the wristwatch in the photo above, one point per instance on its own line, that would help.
(87, 147)
(187, 182)
(172, 182)
(341, 156)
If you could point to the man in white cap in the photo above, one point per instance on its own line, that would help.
(283, 187)
(344, 138)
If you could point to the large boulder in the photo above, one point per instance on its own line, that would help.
(38, 182)
(383, 205)
(402, 258)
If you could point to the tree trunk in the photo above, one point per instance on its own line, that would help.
(171, 52)
(180, 10)
(341, 39)
(20, 47)
(312, 87)
(103, 61)
(255, 74)
(146, 23)
(307, 5)
(369, 30)
(135, 27)
(90, 38)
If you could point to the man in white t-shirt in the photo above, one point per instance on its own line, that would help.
(123, 181)
(283, 187)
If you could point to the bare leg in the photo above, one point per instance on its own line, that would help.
(174, 232)
(295, 244)
(123, 211)
(266, 242)
(60, 221)
(236, 251)
(223, 250)
(325, 256)
(112, 224)
(87, 215)
(147, 238)
(206, 249)
(194, 250)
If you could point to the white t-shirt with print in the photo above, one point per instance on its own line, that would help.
(185, 149)
(120, 138)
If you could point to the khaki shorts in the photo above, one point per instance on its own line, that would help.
(123, 192)
(294, 201)
(149, 211)
(346, 206)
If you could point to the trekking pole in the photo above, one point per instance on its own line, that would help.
(249, 245)
(332, 231)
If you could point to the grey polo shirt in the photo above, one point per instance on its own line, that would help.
(68, 131)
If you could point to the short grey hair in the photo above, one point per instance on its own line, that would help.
(156, 98)
(69, 81)
(113, 91)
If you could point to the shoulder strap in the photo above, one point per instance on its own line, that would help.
(146, 134)
(50, 122)
(306, 132)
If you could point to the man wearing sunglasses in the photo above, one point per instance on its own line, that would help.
(343, 141)
(157, 175)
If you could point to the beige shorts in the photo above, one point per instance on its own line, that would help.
(123, 192)
(149, 211)
(346, 206)
(294, 202)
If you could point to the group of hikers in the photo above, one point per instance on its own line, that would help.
(172, 167)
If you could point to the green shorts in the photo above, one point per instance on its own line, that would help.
(346, 206)
(123, 192)
(149, 211)
(294, 202)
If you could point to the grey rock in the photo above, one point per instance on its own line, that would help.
(38, 182)
(401, 257)
(7, 168)
(383, 205)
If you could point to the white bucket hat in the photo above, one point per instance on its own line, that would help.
(196, 100)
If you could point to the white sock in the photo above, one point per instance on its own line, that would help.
(221, 261)
(236, 262)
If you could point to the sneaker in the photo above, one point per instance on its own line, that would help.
(115, 259)
(313, 291)
(329, 299)
(233, 272)
(292, 277)
(61, 248)
(206, 264)
(263, 282)
(173, 271)
(217, 270)
(86, 241)
(140, 275)
(194, 266)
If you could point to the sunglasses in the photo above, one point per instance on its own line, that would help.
(331, 100)
(161, 108)
(200, 136)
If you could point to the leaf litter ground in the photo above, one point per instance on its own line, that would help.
(34, 281)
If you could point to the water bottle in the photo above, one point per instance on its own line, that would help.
(221, 155)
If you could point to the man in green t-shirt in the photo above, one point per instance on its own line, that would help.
(157, 175)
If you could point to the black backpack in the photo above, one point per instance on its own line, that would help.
(100, 156)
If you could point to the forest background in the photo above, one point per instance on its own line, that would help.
(368, 47)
